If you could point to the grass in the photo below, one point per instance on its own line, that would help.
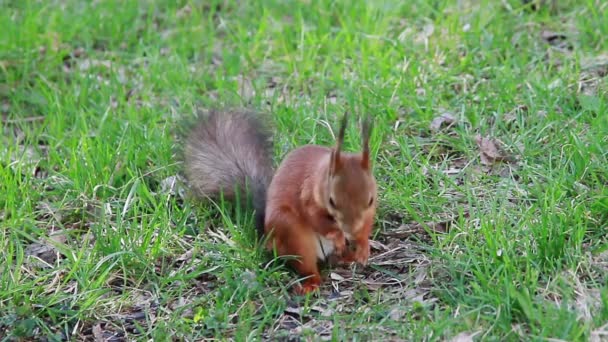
(98, 240)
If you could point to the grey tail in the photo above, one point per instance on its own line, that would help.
(227, 152)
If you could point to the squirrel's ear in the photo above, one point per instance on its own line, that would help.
(336, 163)
(365, 133)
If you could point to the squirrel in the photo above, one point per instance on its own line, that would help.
(316, 201)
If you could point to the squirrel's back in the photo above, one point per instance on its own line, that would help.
(230, 150)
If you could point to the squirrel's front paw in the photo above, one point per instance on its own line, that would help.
(359, 255)
(362, 254)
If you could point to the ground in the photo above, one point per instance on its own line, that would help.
(489, 144)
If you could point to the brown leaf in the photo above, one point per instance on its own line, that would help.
(44, 252)
(397, 313)
(376, 245)
(173, 185)
(59, 237)
(441, 227)
(293, 311)
(553, 38)
(43, 255)
(446, 119)
(597, 65)
(424, 34)
(599, 334)
(184, 306)
(549, 36)
(325, 311)
(411, 228)
(186, 257)
(98, 333)
(245, 86)
(183, 12)
(464, 337)
(489, 150)
(336, 276)
(512, 115)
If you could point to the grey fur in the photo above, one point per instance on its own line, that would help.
(227, 151)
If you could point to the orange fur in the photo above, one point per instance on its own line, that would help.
(316, 194)
(318, 199)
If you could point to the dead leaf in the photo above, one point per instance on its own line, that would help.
(245, 86)
(293, 311)
(396, 313)
(20, 120)
(336, 276)
(98, 333)
(464, 337)
(550, 36)
(452, 171)
(59, 237)
(597, 65)
(588, 300)
(376, 245)
(173, 185)
(415, 227)
(441, 227)
(556, 39)
(324, 311)
(41, 255)
(593, 71)
(490, 152)
(425, 33)
(186, 257)
(588, 303)
(184, 306)
(69, 60)
(599, 334)
(24, 156)
(183, 12)
(446, 119)
(512, 115)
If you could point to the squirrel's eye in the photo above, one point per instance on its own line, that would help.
(332, 203)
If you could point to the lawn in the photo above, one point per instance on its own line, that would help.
(490, 150)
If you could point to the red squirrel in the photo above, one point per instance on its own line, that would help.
(317, 199)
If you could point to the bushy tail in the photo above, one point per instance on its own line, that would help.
(227, 152)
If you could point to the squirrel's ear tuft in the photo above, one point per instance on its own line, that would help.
(336, 162)
(365, 133)
(340, 137)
